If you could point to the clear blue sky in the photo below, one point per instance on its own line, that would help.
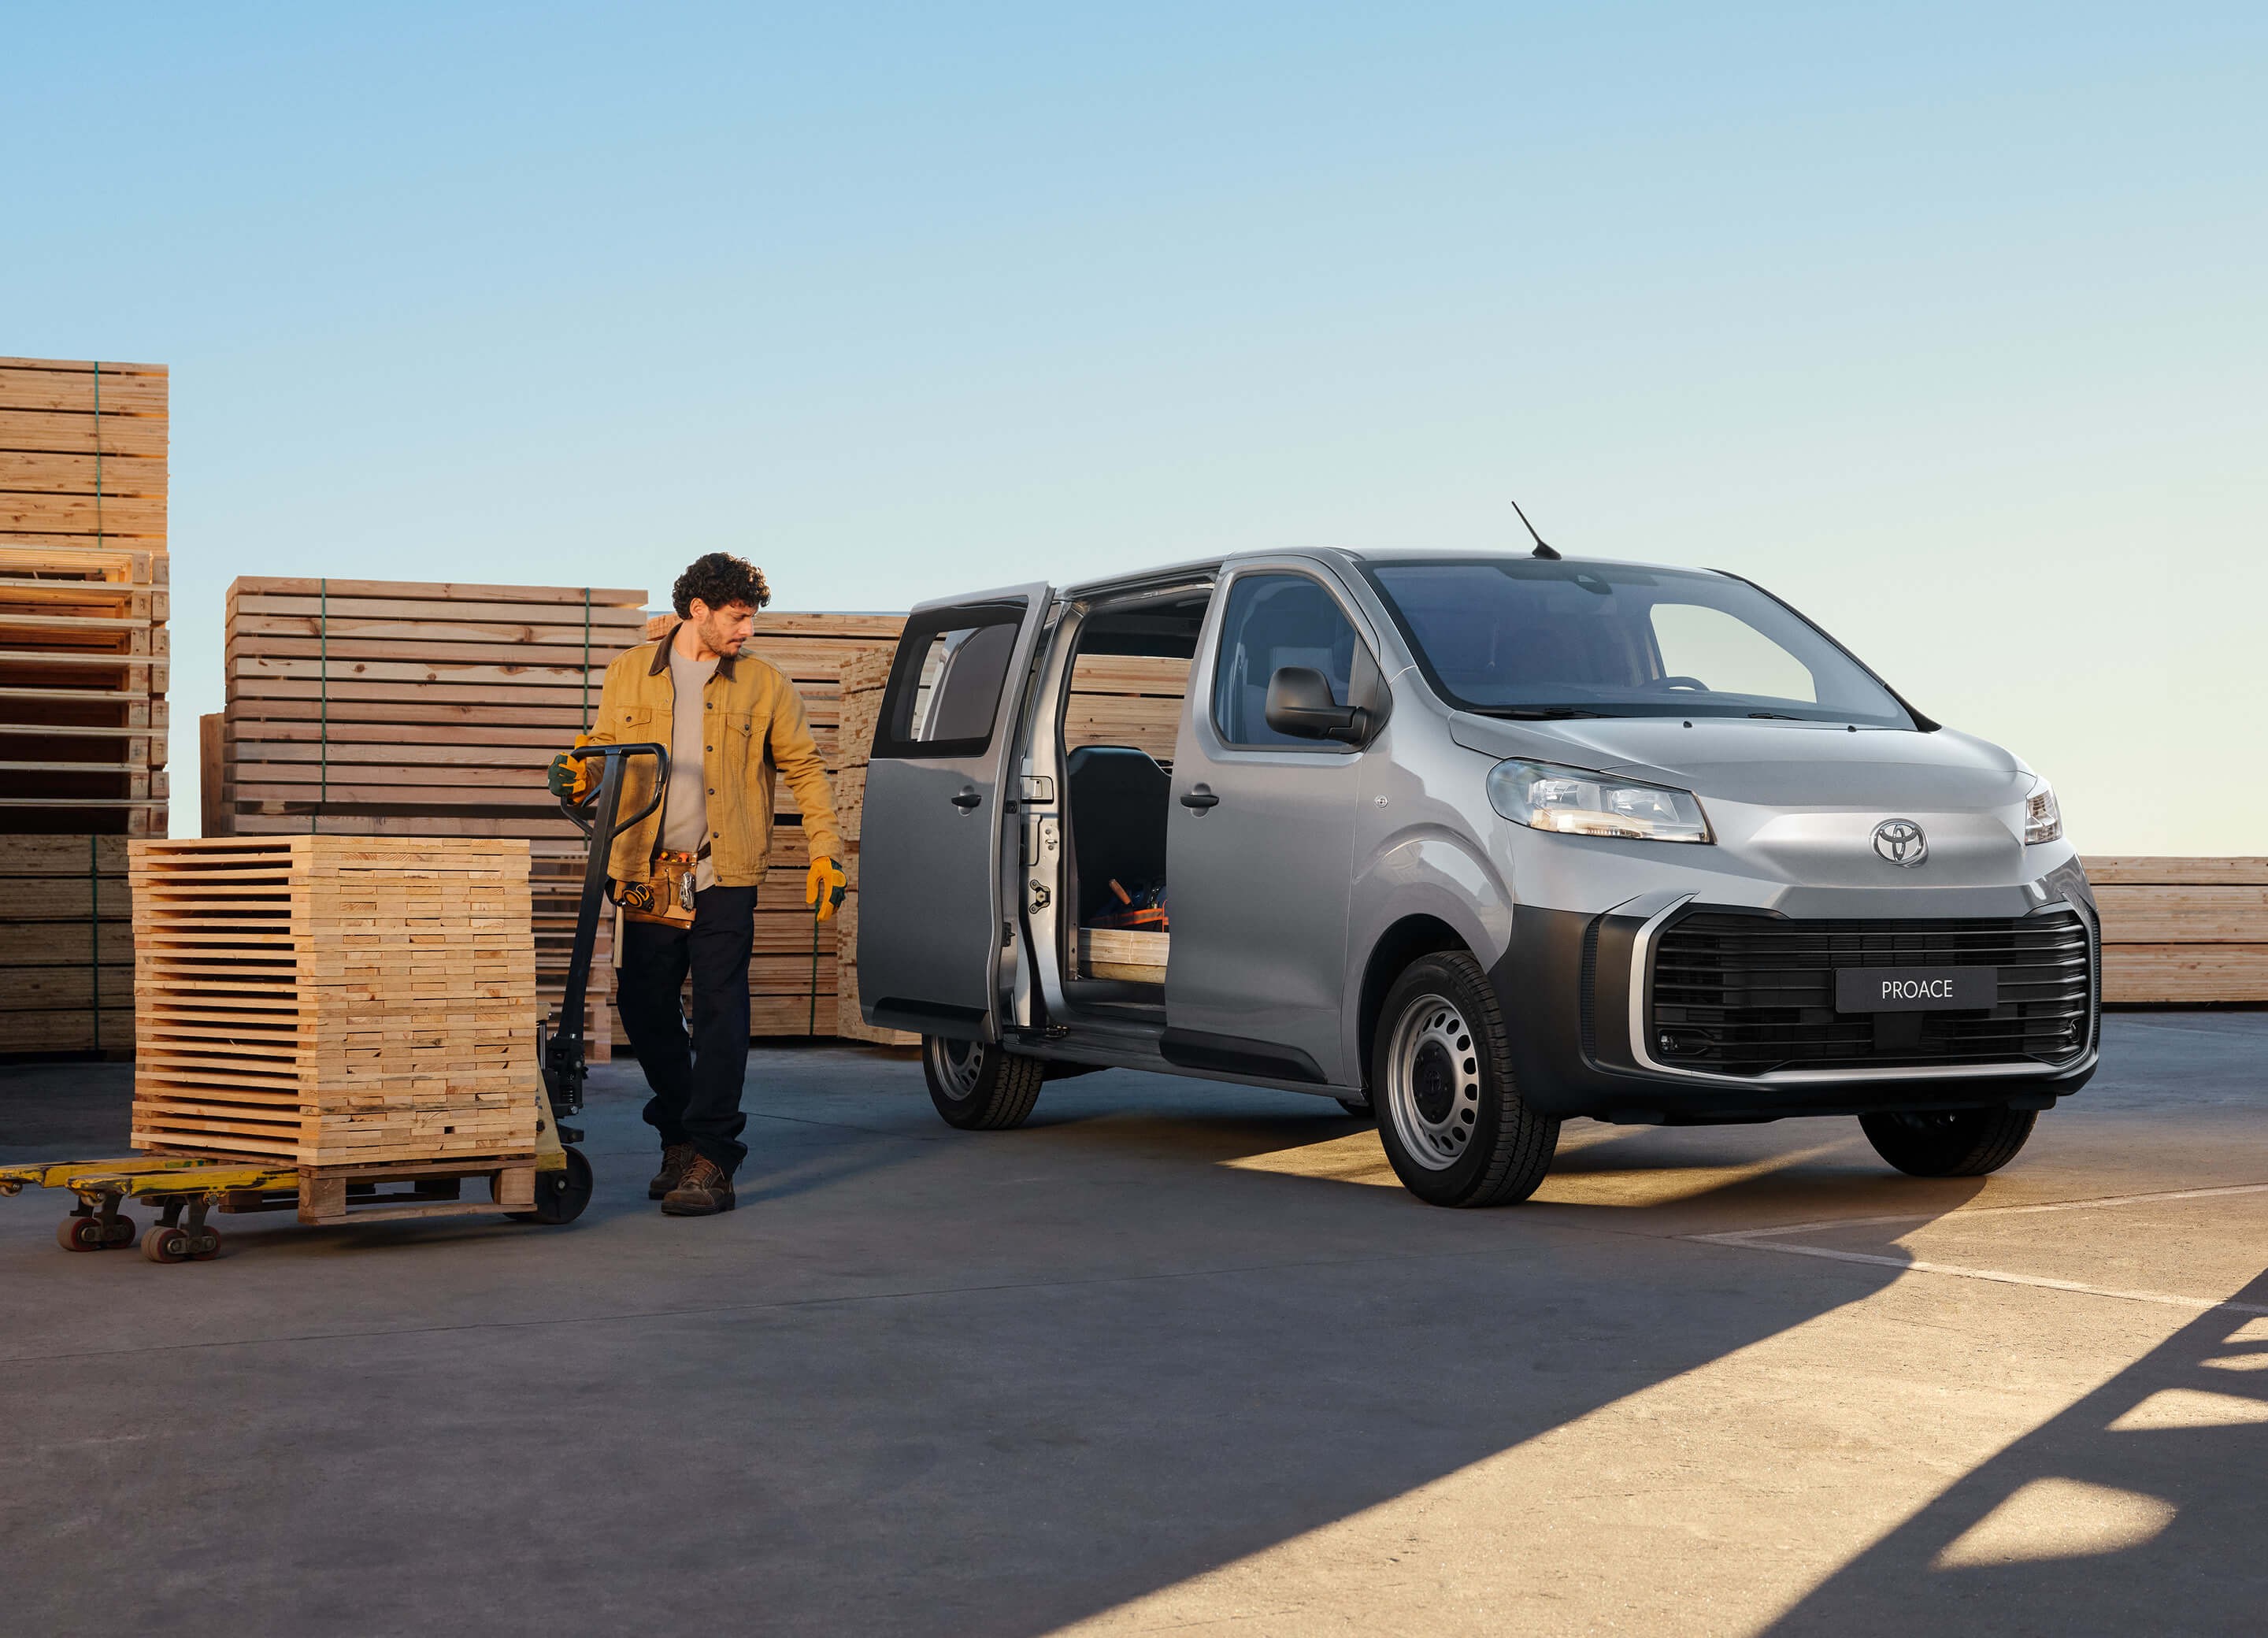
(1946, 321)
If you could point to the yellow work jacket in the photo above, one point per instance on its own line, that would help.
(758, 727)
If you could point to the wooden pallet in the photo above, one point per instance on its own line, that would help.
(327, 1000)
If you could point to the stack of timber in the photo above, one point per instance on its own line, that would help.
(82, 682)
(2182, 931)
(795, 980)
(66, 946)
(406, 708)
(864, 679)
(1126, 700)
(325, 1001)
(83, 588)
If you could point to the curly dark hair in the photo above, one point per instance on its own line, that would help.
(718, 577)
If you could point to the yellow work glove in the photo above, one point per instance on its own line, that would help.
(825, 885)
(570, 776)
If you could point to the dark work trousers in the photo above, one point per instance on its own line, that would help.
(696, 1080)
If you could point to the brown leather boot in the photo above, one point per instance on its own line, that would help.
(705, 1189)
(675, 1157)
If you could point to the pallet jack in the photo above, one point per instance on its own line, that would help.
(552, 1188)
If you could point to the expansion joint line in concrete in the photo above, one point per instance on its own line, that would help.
(1756, 1240)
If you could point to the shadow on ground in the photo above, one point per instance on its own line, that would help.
(2128, 1513)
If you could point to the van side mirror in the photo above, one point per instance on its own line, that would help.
(1300, 703)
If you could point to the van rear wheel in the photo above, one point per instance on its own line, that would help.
(1449, 1112)
(978, 1087)
(1948, 1142)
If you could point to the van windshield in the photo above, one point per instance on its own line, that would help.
(1529, 636)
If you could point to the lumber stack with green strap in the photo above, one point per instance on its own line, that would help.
(84, 656)
(421, 708)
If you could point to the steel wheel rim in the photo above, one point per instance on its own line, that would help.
(959, 1064)
(1434, 1083)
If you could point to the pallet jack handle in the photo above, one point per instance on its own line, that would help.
(597, 817)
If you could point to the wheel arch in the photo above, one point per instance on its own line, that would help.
(1395, 948)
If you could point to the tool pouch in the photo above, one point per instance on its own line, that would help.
(667, 896)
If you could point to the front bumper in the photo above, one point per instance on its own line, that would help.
(1575, 993)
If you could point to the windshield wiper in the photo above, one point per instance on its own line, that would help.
(1776, 716)
(1540, 713)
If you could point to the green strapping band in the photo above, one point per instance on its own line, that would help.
(812, 1027)
(323, 683)
(94, 930)
(98, 475)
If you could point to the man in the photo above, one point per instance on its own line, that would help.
(687, 877)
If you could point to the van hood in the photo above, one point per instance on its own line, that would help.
(1770, 764)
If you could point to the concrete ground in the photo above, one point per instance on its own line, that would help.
(1178, 1356)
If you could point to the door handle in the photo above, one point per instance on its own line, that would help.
(966, 799)
(1199, 797)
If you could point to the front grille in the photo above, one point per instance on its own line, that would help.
(1744, 995)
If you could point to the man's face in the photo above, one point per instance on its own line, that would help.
(722, 631)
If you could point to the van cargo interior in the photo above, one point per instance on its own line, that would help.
(1127, 679)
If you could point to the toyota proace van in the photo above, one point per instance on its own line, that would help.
(1475, 842)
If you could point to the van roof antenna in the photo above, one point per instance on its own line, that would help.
(1541, 550)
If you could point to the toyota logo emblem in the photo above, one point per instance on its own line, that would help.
(1901, 842)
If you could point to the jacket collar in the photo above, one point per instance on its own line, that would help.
(661, 657)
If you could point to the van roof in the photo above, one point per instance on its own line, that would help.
(1198, 568)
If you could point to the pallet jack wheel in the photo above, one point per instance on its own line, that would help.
(167, 1243)
(560, 1196)
(81, 1234)
(204, 1243)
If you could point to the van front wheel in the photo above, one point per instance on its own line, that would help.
(980, 1087)
(1450, 1110)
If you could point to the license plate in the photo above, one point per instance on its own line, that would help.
(1916, 989)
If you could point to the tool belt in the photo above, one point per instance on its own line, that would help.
(668, 897)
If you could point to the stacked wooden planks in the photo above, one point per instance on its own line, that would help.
(795, 979)
(410, 708)
(325, 1000)
(82, 682)
(863, 681)
(66, 945)
(2182, 931)
(1126, 700)
(83, 597)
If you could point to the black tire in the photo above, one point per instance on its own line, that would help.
(1450, 1110)
(1358, 1110)
(560, 1196)
(980, 1087)
(1949, 1142)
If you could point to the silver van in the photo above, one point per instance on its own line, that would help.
(1476, 842)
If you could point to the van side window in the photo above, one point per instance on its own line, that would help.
(1273, 621)
(946, 683)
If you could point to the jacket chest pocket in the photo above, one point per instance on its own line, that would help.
(743, 738)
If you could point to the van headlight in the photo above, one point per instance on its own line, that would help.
(2042, 819)
(1577, 802)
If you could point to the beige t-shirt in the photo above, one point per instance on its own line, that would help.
(685, 810)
